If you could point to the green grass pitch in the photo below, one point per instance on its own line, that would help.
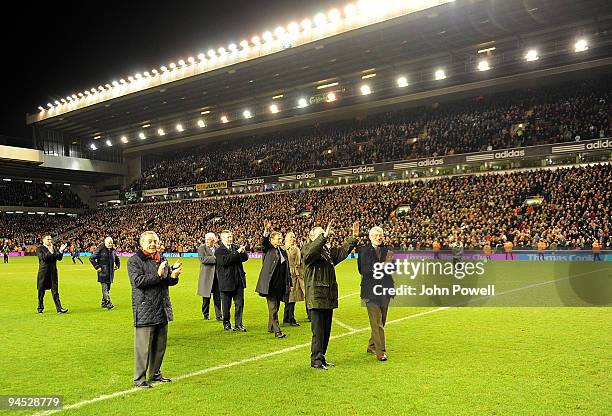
(457, 361)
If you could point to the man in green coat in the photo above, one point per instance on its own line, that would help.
(321, 286)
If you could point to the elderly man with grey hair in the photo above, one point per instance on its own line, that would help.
(105, 261)
(373, 289)
(150, 277)
(207, 282)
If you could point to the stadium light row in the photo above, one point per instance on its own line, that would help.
(355, 15)
(364, 89)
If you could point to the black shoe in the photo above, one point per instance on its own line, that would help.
(295, 323)
(280, 335)
(110, 306)
(63, 310)
(160, 379)
(143, 385)
(319, 366)
(40, 310)
(240, 328)
(328, 364)
(206, 318)
(219, 319)
(227, 327)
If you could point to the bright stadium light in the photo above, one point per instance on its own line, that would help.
(293, 28)
(123, 81)
(41, 108)
(221, 51)
(172, 66)
(115, 83)
(27, 181)
(224, 119)
(212, 54)
(402, 82)
(244, 44)
(268, 36)
(130, 79)
(109, 143)
(302, 102)
(532, 55)
(201, 123)
(160, 132)
(483, 65)
(320, 20)
(247, 114)
(306, 25)
(350, 10)
(138, 76)
(365, 89)
(93, 146)
(232, 47)
(330, 97)
(201, 57)
(440, 74)
(334, 15)
(179, 127)
(124, 139)
(581, 45)
(57, 102)
(49, 105)
(256, 41)
(279, 32)
(142, 136)
(274, 108)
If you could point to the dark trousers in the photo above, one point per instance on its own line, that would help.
(436, 255)
(540, 256)
(216, 295)
(54, 293)
(321, 331)
(237, 296)
(106, 294)
(149, 350)
(511, 256)
(78, 258)
(273, 306)
(596, 257)
(289, 314)
(6, 258)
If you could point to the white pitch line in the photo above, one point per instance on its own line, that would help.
(288, 349)
(343, 325)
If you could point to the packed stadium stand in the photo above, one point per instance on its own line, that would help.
(565, 112)
(573, 209)
(29, 194)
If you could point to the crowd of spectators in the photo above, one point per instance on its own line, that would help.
(572, 209)
(573, 111)
(29, 194)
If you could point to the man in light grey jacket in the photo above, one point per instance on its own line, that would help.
(207, 282)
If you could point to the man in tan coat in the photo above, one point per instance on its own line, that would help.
(297, 280)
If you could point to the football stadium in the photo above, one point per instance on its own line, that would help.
(385, 207)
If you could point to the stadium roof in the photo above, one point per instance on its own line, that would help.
(448, 36)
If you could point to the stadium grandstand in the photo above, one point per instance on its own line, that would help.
(479, 125)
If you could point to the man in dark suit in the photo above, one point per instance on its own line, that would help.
(274, 279)
(372, 289)
(150, 277)
(208, 284)
(322, 287)
(232, 279)
(48, 256)
(105, 261)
